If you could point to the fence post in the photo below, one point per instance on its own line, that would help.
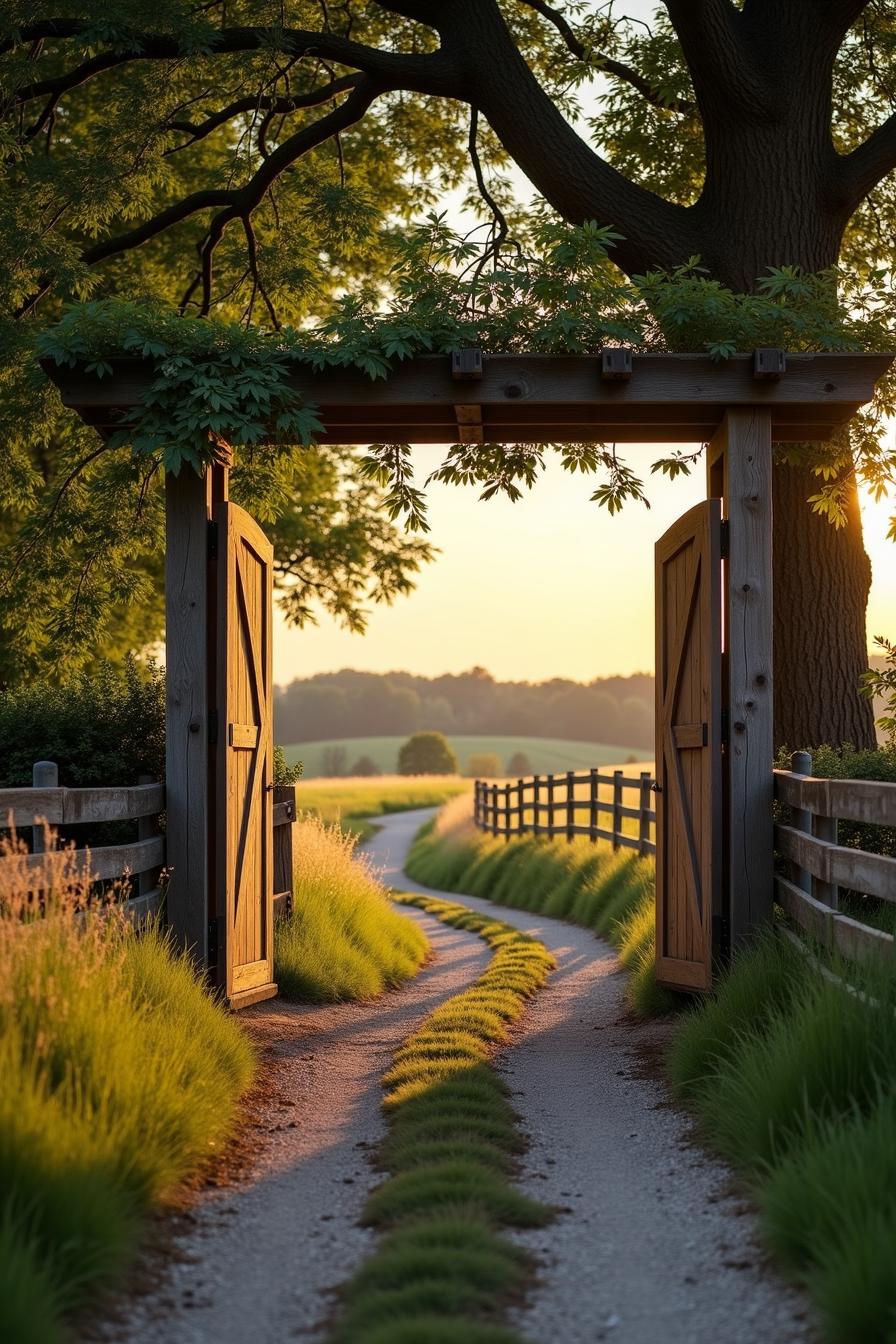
(570, 809)
(617, 803)
(592, 810)
(801, 764)
(825, 828)
(550, 805)
(494, 809)
(536, 784)
(507, 788)
(521, 823)
(644, 821)
(283, 857)
(44, 775)
(147, 828)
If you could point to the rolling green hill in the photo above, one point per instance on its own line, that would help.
(545, 753)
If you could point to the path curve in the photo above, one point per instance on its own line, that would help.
(654, 1248)
(262, 1255)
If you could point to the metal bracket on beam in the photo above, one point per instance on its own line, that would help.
(615, 364)
(769, 363)
(469, 423)
(466, 365)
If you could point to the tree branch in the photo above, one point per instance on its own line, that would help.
(276, 105)
(711, 34)
(627, 73)
(869, 163)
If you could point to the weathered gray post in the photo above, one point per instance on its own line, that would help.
(44, 775)
(739, 467)
(187, 721)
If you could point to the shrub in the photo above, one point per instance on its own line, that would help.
(519, 765)
(484, 765)
(283, 772)
(365, 767)
(344, 939)
(845, 762)
(427, 754)
(102, 727)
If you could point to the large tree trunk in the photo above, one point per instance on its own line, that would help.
(821, 581)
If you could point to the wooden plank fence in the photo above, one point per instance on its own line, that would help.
(820, 866)
(141, 861)
(549, 805)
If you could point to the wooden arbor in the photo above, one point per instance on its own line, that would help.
(714, 600)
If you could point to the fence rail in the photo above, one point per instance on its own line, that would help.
(140, 861)
(820, 866)
(548, 805)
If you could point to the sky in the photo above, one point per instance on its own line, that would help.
(549, 586)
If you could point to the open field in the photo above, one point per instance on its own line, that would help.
(348, 801)
(545, 753)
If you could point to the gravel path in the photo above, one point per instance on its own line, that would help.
(260, 1257)
(653, 1248)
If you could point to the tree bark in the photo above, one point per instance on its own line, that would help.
(821, 581)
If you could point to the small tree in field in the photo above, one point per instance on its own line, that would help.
(519, 764)
(427, 754)
(365, 765)
(484, 765)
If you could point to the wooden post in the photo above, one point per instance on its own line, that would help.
(617, 803)
(592, 810)
(285, 799)
(740, 465)
(521, 817)
(550, 805)
(570, 810)
(494, 809)
(188, 726)
(536, 782)
(825, 828)
(44, 775)
(507, 788)
(644, 820)
(801, 764)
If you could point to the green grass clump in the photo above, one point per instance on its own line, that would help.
(121, 1075)
(794, 1080)
(442, 1272)
(344, 939)
(610, 892)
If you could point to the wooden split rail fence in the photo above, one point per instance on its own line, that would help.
(140, 862)
(568, 805)
(820, 866)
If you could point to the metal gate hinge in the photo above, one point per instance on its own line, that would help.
(724, 538)
(212, 539)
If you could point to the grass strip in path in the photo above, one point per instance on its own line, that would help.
(442, 1271)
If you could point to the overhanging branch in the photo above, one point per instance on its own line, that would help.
(866, 166)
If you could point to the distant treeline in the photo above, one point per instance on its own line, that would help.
(368, 704)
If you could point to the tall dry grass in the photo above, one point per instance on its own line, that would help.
(120, 1076)
(344, 939)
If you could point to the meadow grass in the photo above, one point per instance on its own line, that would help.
(793, 1079)
(121, 1075)
(544, 753)
(610, 892)
(442, 1272)
(344, 939)
(347, 802)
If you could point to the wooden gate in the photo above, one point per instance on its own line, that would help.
(244, 843)
(689, 777)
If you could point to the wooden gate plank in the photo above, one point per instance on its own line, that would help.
(689, 763)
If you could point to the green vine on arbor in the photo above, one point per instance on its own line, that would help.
(224, 384)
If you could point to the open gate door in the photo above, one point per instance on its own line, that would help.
(689, 811)
(244, 850)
